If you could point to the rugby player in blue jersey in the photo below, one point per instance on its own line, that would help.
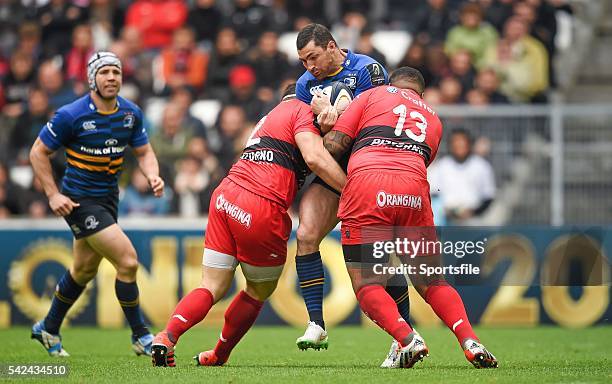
(326, 63)
(94, 132)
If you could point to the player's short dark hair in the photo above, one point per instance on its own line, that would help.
(410, 74)
(314, 32)
(289, 90)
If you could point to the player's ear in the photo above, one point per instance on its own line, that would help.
(331, 45)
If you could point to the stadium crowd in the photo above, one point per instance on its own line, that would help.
(476, 52)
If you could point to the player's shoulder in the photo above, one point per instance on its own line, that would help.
(358, 60)
(293, 107)
(76, 108)
(304, 79)
(128, 105)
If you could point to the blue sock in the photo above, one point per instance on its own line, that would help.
(312, 278)
(397, 288)
(127, 294)
(67, 292)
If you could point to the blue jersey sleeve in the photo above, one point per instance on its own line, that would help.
(139, 132)
(301, 92)
(58, 131)
(370, 76)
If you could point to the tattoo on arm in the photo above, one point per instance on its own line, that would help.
(337, 143)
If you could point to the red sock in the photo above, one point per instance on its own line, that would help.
(239, 317)
(189, 311)
(376, 303)
(447, 304)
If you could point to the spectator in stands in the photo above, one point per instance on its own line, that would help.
(156, 20)
(542, 19)
(106, 18)
(365, 46)
(462, 69)
(12, 13)
(432, 22)
(306, 9)
(278, 17)
(36, 202)
(269, 63)
(183, 63)
(171, 138)
(30, 40)
(433, 96)
(18, 81)
(51, 81)
(248, 19)
(464, 181)
(488, 82)
(197, 176)
(58, 18)
(415, 57)
(76, 59)
(137, 63)
(243, 92)
(137, 199)
(10, 195)
(28, 124)
(497, 12)
(347, 32)
(437, 63)
(182, 97)
(472, 34)
(232, 124)
(521, 61)
(205, 19)
(477, 98)
(223, 58)
(451, 90)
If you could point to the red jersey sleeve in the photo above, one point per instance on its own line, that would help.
(304, 119)
(348, 123)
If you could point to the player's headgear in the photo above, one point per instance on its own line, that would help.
(97, 61)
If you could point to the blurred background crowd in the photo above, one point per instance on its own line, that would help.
(205, 71)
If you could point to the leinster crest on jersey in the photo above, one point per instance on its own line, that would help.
(128, 121)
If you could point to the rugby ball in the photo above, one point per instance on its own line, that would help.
(339, 94)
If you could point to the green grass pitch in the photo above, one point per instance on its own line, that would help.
(269, 355)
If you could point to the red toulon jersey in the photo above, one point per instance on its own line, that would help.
(271, 165)
(393, 129)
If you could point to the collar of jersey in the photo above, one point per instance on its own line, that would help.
(348, 59)
(92, 106)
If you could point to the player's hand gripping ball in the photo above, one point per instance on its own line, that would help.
(339, 94)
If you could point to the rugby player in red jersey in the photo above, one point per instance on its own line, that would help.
(248, 225)
(394, 136)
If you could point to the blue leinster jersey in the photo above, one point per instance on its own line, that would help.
(94, 143)
(359, 72)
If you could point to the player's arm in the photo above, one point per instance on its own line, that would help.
(147, 162)
(319, 160)
(340, 140)
(61, 205)
(370, 76)
(337, 143)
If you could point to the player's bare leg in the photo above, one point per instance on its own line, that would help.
(378, 305)
(82, 271)
(318, 216)
(448, 306)
(239, 317)
(114, 245)
(190, 311)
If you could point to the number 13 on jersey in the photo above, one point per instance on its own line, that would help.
(421, 123)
